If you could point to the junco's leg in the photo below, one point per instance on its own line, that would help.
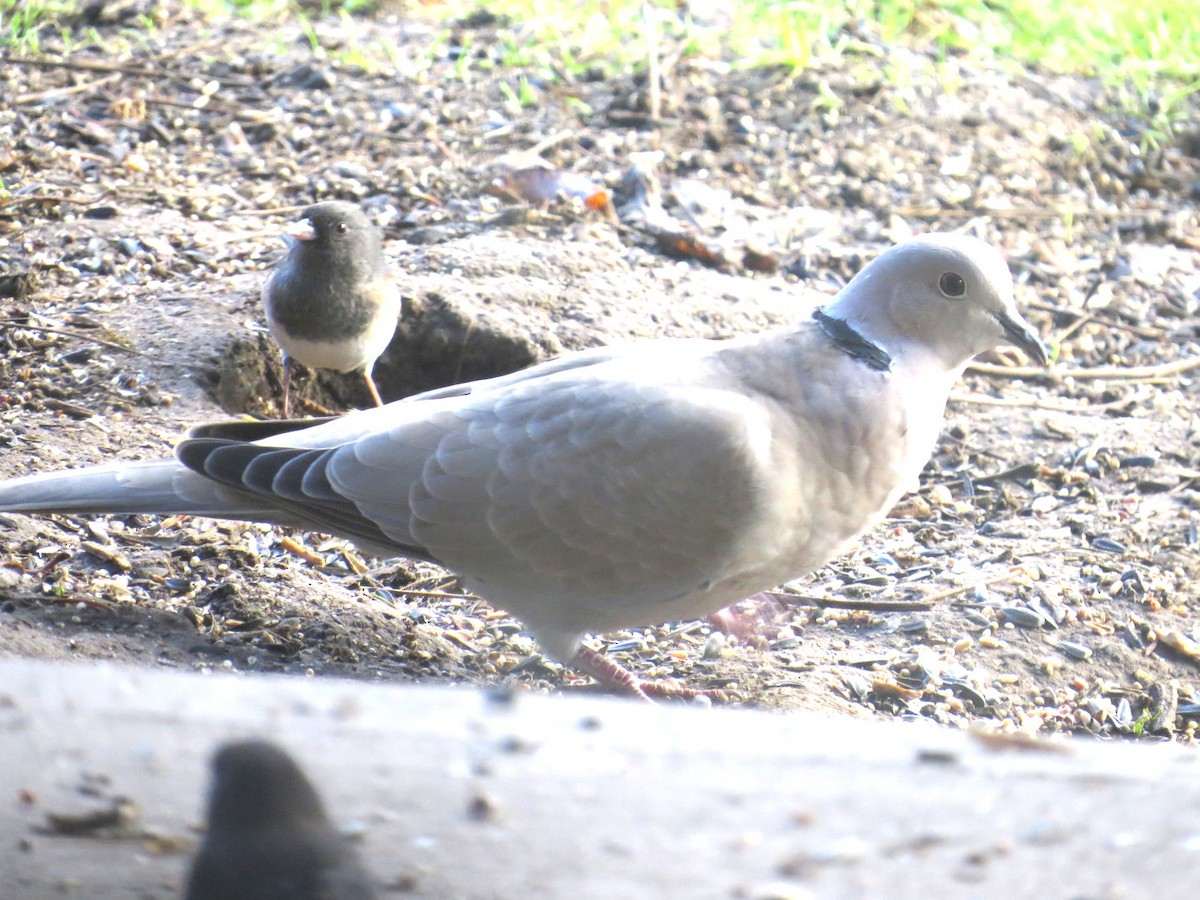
(371, 387)
(287, 383)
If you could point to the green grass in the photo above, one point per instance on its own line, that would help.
(1118, 40)
(1094, 37)
(1149, 50)
(1110, 38)
(1115, 39)
(22, 22)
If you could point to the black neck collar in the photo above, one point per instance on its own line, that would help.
(850, 342)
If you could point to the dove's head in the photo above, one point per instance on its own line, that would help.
(945, 295)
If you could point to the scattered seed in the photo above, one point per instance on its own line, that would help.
(964, 691)
(891, 689)
(977, 618)
(1139, 462)
(939, 495)
(1181, 644)
(297, 549)
(968, 486)
(97, 531)
(1044, 503)
(108, 555)
(1124, 713)
(1023, 616)
(858, 686)
(628, 644)
(354, 562)
(713, 646)
(1052, 613)
(1074, 650)
(871, 581)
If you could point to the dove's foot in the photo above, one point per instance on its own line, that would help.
(606, 671)
(751, 618)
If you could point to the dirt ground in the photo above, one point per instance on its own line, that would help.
(1047, 576)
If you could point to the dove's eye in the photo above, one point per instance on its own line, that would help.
(952, 285)
(342, 228)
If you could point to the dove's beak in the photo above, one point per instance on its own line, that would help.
(1021, 333)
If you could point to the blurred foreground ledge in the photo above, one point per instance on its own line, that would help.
(457, 793)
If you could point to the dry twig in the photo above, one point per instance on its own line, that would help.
(1126, 373)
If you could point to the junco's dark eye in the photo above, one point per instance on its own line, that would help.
(342, 228)
(952, 285)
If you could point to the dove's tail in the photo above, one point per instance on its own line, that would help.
(163, 487)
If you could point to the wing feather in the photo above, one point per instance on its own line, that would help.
(579, 483)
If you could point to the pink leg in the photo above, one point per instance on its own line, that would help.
(606, 671)
(750, 617)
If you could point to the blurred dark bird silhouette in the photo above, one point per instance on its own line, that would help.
(268, 835)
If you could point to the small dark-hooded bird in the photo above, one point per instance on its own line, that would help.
(331, 303)
(268, 835)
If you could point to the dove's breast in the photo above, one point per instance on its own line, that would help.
(847, 443)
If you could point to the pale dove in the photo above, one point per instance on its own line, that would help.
(331, 303)
(620, 486)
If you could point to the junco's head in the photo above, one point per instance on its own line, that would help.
(336, 237)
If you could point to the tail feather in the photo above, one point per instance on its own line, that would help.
(162, 487)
